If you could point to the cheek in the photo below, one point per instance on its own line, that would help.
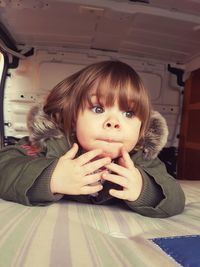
(132, 137)
(81, 134)
(130, 146)
(84, 134)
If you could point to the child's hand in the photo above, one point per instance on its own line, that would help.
(125, 175)
(76, 176)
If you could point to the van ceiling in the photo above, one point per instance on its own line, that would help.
(165, 30)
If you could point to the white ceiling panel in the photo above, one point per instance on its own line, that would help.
(163, 30)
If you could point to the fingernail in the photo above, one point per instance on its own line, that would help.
(104, 175)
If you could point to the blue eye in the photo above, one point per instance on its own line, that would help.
(97, 109)
(129, 114)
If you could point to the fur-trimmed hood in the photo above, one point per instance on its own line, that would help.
(41, 128)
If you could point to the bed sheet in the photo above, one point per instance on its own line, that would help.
(74, 234)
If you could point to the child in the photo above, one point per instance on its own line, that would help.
(95, 141)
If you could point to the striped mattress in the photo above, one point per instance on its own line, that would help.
(73, 234)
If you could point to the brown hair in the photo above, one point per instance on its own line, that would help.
(111, 80)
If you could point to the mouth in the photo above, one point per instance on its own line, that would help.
(110, 140)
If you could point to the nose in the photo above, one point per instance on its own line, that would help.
(112, 123)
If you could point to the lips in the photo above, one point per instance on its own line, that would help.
(109, 140)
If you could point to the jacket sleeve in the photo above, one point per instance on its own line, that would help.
(173, 200)
(18, 173)
(40, 193)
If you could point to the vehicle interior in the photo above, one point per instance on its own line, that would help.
(44, 41)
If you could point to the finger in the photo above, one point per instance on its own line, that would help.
(95, 165)
(72, 152)
(93, 178)
(118, 194)
(88, 156)
(116, 179)
(91, 189)
(117, 169)
(121, 162)
(126, 157)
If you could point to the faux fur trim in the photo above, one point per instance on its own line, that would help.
(156, 136)
(41, 128)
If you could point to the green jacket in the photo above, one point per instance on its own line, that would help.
(21, 165)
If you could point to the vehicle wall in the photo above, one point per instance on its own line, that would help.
(35, 76)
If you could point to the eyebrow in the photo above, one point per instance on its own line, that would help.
(95, 96)
(91, 95)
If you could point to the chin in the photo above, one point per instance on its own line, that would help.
(111, 154)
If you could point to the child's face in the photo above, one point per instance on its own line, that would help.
(108, 128)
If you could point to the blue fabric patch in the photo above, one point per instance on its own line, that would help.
(183, 249)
